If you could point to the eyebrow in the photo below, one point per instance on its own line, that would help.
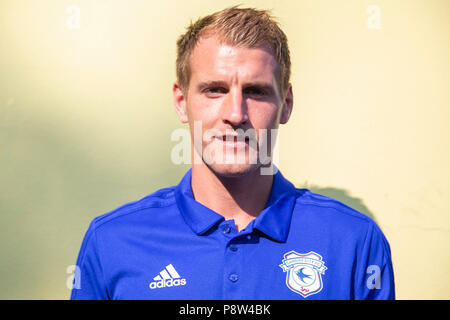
(255, 84)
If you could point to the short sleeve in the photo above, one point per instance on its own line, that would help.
(374, 279)
(91, 285)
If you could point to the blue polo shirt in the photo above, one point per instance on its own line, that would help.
(169, 246)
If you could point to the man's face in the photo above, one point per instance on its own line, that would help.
(234, 95)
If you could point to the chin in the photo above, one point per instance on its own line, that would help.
(233, 170)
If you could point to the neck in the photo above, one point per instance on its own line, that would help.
(240, 198)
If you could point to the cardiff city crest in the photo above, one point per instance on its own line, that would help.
(304, 272)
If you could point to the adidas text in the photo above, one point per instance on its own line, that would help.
(167, 283)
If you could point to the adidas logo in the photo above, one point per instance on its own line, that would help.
(168, 277)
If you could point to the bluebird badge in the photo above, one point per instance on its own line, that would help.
(304, 272)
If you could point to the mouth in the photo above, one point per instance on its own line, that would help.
(233, 140)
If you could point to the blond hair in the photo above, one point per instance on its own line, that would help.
(245, 27)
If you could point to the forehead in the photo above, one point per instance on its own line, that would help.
(212, 58)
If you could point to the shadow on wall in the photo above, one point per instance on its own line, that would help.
(341, 195)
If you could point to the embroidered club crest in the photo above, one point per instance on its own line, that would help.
(304, 272)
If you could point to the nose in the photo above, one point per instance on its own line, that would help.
(234, 109)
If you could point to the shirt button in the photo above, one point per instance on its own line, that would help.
(226, 229)
(233, 277)
(233, 248)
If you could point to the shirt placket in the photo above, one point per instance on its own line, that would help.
(234, 250)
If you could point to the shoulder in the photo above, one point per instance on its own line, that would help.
(328, 220)
(322, 204)
(132, 211)
(331, 214)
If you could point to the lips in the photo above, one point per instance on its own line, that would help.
(233, 138)
(233, 141)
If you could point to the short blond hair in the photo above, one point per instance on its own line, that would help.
(245, 27)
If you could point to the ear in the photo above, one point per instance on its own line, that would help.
(288, 104)
(179, 101)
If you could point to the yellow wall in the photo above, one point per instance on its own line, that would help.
(86, 116)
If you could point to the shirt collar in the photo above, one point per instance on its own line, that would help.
(274, 220)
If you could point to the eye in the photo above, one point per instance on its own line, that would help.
(254, 91)
(214, 91)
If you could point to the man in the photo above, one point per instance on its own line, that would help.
(231, 229)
